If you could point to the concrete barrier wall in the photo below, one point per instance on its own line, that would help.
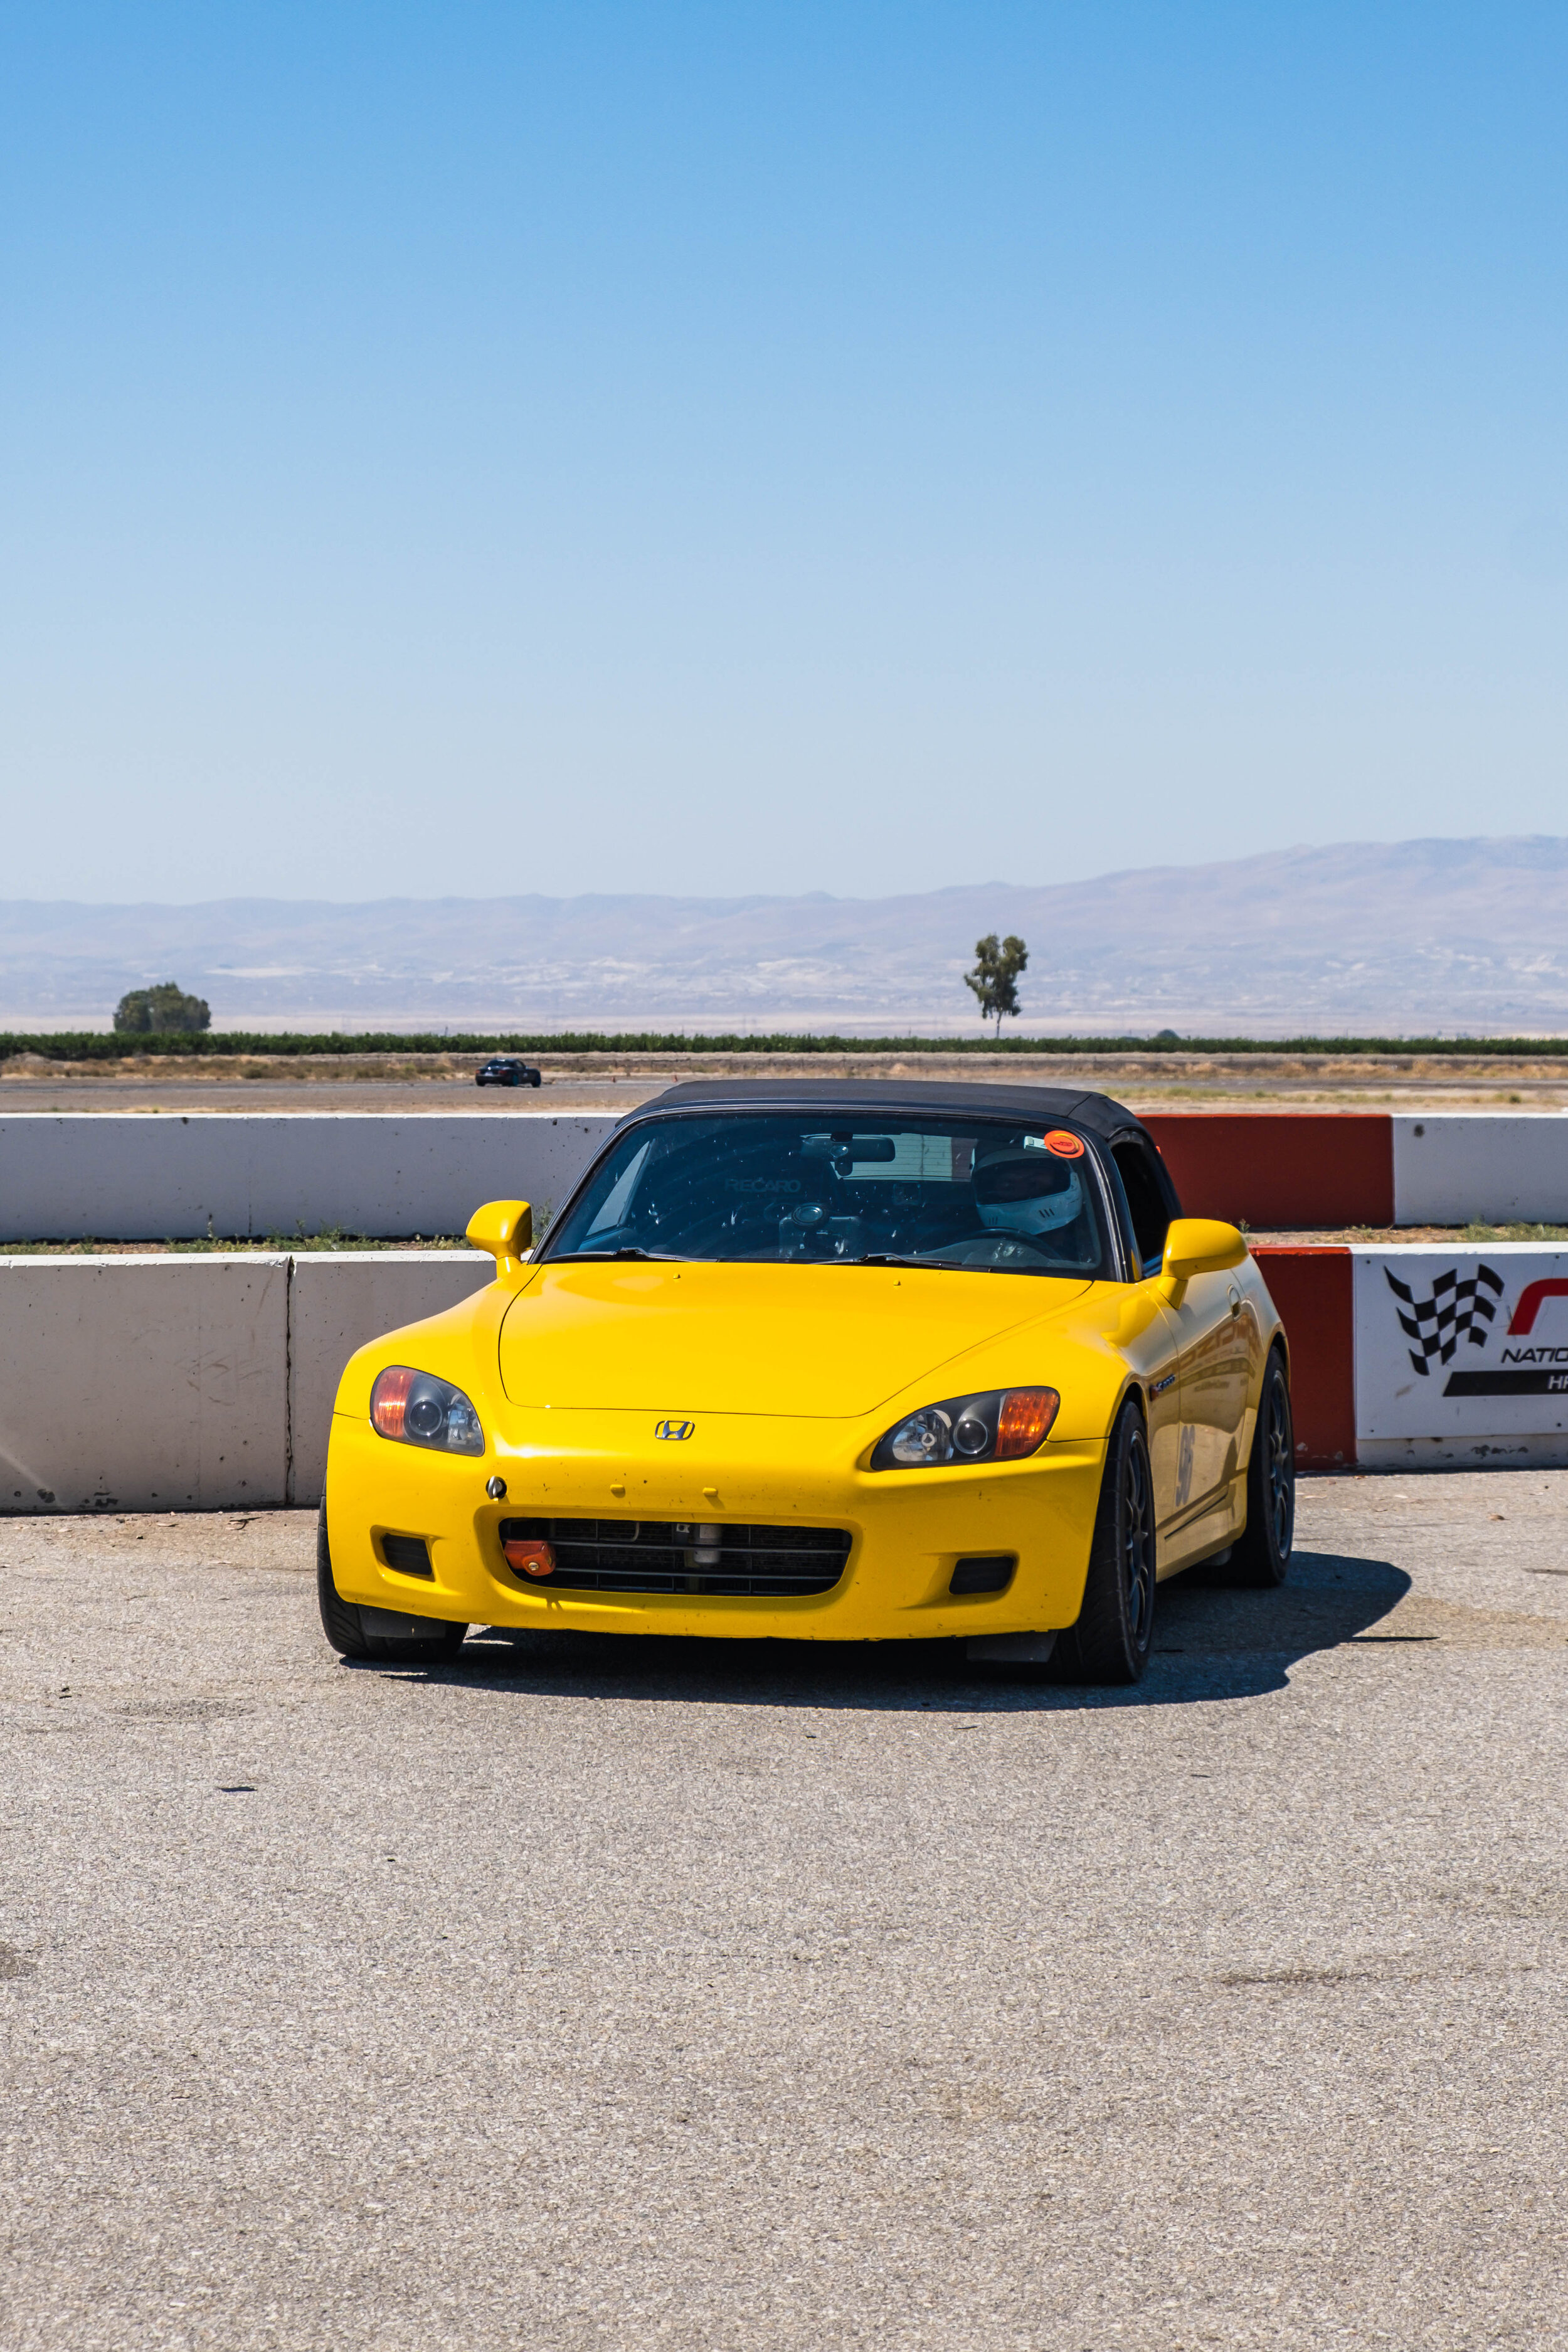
(1414, 1357)
(140, 1176)
(1461, 1357)
(207, 1383)
(1313, 1289)
(1497, 1168)
(1281, 1169)
(193, 1383)
(336, 1302)
(1270, 1170)
(176, 1175)
(146, 1384)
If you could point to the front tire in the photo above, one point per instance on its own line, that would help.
(1261, 1557)
(343, 1622)
(1110, 1642)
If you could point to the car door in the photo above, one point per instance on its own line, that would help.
(1213, 1354)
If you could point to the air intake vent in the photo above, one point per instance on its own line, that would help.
(993, 1575)
(675, 1556)
(407, 1555)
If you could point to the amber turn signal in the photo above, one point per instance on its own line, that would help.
(389, 1400)
(528, 1555)
(1021, 1423)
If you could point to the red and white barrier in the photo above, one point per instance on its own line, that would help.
(136, 1176)
(1273, 1170)
(170, 1383)
(1416, 1358)
(201, 1382)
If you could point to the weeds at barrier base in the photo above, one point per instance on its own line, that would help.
(1476, 1231)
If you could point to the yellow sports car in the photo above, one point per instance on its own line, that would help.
(825, 1362)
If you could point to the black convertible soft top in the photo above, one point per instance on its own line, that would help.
(880, 1098)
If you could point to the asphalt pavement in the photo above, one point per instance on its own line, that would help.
(655, 1993)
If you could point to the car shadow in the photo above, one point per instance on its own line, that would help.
(1209, 1643)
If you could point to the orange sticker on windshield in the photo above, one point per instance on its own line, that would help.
(1065, 1146)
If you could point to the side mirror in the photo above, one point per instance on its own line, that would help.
(1198, 1246)
(505, 1228)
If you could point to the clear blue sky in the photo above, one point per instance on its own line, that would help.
(724, 448)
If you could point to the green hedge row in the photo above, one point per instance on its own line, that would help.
(97, 1045)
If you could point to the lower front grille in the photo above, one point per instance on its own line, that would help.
(677, 1556)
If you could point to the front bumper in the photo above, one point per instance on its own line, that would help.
(908, 1528)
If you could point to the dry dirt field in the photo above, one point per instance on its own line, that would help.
(607, 1081)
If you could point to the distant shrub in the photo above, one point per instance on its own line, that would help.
(160, 1012)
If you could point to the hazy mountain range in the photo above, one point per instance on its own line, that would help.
(1401, 937)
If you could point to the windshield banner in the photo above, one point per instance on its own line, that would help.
(1461, 1355)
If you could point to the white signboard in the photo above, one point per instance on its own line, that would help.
(1461, 1356)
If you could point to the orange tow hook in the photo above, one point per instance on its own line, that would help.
(528, 1555)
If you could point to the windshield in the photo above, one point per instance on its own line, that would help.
(811, 1186)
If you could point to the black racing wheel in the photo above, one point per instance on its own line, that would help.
(1110, 1642)
(1262, 1554)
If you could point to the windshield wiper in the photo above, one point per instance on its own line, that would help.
(891, 1257)
(957, 1264)
(668, 1257)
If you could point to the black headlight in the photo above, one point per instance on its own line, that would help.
(998, 1425)
(416, 1409)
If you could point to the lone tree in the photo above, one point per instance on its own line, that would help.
(994, 979)
(147, 1011)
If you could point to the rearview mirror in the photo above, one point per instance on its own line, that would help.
(1198, 1246)
(849, 1149)
(505, 1228)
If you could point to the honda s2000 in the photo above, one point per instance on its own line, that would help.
(825, 1362)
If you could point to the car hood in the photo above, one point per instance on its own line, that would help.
(831, 1341)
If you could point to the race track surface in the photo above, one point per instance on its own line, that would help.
(731, 1997)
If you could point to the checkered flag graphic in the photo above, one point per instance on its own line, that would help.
(1457, 1309)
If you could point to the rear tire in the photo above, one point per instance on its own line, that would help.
(1261, 1557)
(1110, 1642)
(343, 1623)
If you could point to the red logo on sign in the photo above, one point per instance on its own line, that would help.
(1530, 1300)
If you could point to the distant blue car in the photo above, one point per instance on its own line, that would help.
(505, 1072)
